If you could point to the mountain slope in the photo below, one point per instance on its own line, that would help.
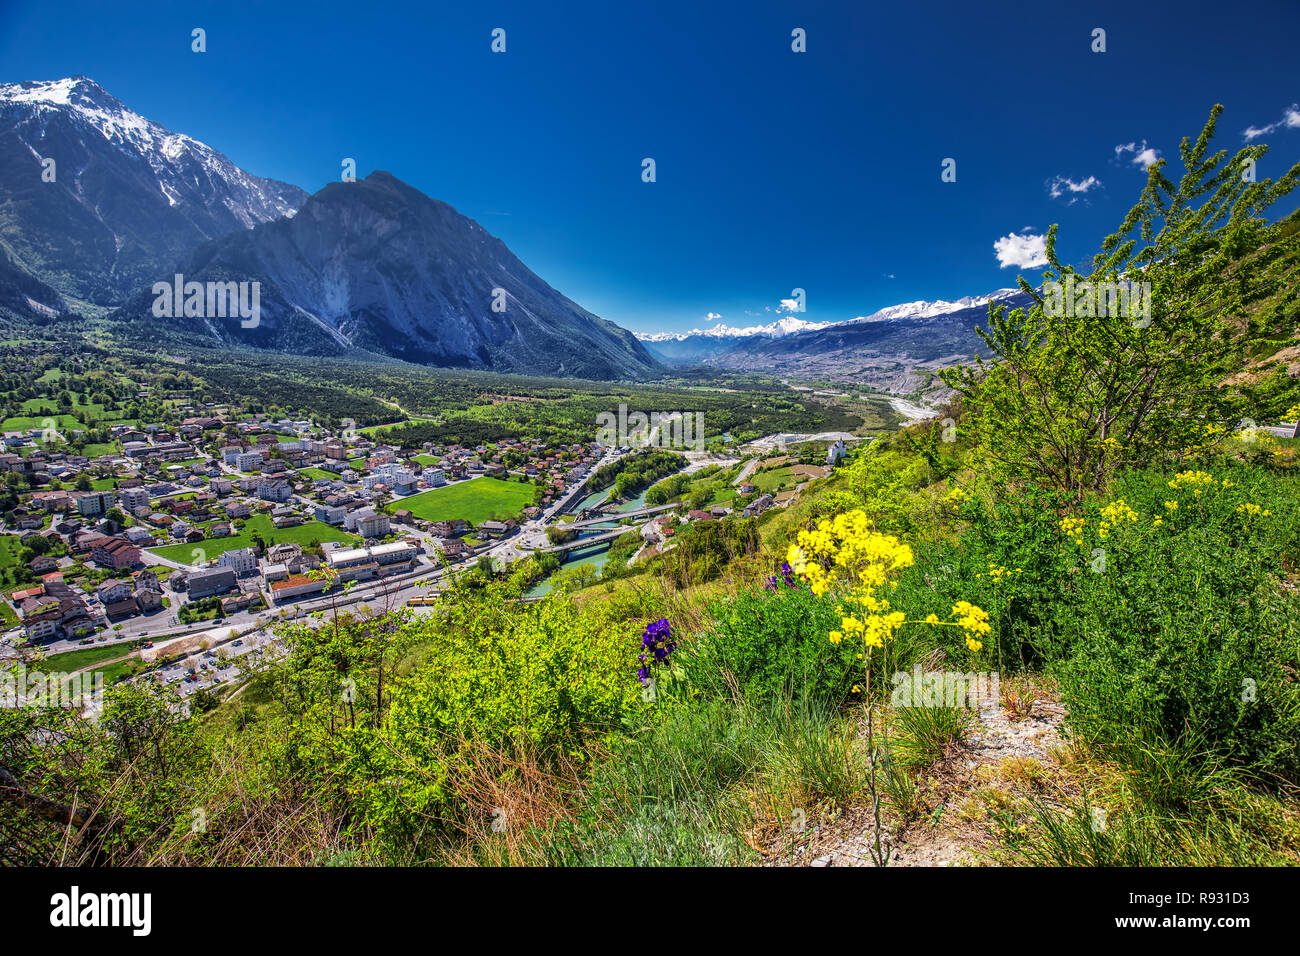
(24, 297)
(129, 198)
(377, 265)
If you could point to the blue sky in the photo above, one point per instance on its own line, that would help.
(775, 170)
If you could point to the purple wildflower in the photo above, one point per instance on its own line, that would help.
(657, 643)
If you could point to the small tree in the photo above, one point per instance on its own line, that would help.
(1072, 397)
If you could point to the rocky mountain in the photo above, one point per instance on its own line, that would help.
(893, 349)
(122, 201)
(376, 265)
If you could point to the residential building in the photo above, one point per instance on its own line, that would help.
(240, 560)
(132, 498)
(282, 553)
(336, 514)
(90, 503)
(112, 591)
(147, 580)
(373, 525)
(149, 600)
(237, 509)
(210, 581)
(274, 489)
(115, 552)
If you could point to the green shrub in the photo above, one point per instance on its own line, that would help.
(774, 646)
(1184, 646)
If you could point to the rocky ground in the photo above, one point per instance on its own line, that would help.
(1002, 757)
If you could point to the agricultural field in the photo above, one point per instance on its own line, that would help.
(476, 500)
(261, 526)
(777, 479)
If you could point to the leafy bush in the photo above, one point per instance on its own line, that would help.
(773, 646)
(1180, 642)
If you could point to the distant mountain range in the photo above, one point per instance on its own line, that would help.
(894, 348)
(98, 205)
(689, 348)
(371, 267)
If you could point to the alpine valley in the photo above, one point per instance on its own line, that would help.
(99, 205)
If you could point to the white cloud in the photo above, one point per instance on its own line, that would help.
(1059, 186)
(1025, 251)
(1143, 155)
(1290, 120)
(788, 305)
(712, 316)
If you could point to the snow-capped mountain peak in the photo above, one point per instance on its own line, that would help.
(180, 164)
(122, 199)
(786, 325)
(922, 309)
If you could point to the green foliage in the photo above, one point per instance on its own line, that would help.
(704, 549)
(630, 474)
(773, 646)
(543, 681)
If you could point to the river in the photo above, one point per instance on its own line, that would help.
(594, 558)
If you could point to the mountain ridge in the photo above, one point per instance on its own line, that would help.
(379, 266)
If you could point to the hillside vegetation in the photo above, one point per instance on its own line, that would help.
(1062, 630)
